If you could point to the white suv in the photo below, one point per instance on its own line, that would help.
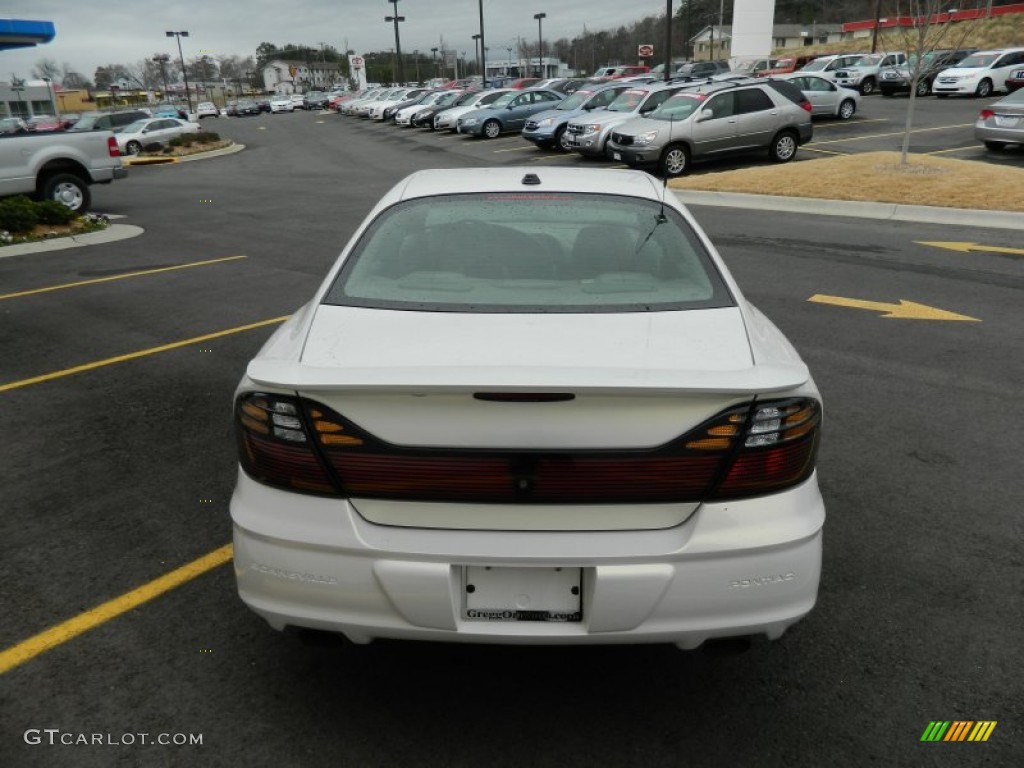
(979, 74)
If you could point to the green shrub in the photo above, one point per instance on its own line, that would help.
(52, 212)
(207, 137)
(177, 141)
(18, 214)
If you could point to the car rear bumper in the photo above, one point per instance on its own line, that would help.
(733, 569)
(983, 132)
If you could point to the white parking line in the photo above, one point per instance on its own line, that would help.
(530, 148)
(952, 149)
(819, 126)
(885, 135)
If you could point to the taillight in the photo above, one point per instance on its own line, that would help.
(752, 449)
(274, 444)
(986, 114)
(805, 105)
(775, 449)
(112, 147)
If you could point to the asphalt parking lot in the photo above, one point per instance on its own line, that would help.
(119, 363)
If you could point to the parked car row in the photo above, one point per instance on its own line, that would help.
(658, 125)
(945, 72)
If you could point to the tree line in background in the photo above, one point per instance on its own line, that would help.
(583, 53)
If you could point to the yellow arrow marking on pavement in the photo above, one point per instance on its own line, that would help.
(968, 247)
(905, 310)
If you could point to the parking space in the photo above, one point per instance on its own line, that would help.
(115, 394)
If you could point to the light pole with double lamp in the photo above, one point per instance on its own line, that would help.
(540, 43)
(398, 45)
(184, 74)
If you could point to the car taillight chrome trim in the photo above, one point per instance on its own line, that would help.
(751, 449)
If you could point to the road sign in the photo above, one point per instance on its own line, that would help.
(645, 51)
(357, 62)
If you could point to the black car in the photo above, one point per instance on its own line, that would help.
(893, 80)
(263, 104)
(247, 107)
(697, 69)
(315, 100)
(425, 117)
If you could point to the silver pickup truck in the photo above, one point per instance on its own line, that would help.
(59, 166)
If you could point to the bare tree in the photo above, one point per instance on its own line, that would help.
(926, 26)
(46, 69)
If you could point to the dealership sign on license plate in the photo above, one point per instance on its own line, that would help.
(522, 594)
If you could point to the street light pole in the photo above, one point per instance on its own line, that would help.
(540, 43)
(433, 52)
(668, 40)
(476, 51)
(398, 44)
(184, 74)
(483, 49)
(162, 59)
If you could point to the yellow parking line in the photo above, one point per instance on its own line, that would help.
(544, 158)
(895, 133)
(135, 355)
(59, 634)
(122, 276)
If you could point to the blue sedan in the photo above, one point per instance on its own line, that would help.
(507, 113)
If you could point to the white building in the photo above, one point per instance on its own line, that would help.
(282, 76)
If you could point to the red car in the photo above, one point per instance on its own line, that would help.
(523, 82)
(45, 124)
(1015, 80)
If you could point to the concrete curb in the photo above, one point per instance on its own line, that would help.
(234, 148)
(879, 211)
(111, 234)
(184, 158)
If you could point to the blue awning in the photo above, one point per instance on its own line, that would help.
(16, 33)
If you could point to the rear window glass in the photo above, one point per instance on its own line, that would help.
(532, 252)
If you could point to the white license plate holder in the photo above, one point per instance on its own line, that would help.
(1007, 122)
(616, 156)
(542, 594)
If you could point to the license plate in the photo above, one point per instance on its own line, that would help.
(522, 594)
(616, 155)
(1007, 122)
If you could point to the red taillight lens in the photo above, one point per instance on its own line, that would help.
(806, 106)
(274, 446)
(752, 449)
(112, 147)
(778, 450)
(985, 114)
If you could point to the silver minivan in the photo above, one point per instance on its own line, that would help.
(713, 119)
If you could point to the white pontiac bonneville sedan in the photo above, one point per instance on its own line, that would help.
(529, 406)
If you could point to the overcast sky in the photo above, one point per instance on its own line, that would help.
(91, 34)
